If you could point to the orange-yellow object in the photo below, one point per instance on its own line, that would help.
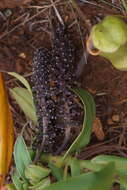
(89, 46)
(6, 132)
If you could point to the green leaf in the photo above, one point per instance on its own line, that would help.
(59, 162)
(87, 164)
(25, 186)
(123, 182)
(32, 153)
(17, 182)
(121, 174)
(120, 162)
(25, 101)
(22, 80)
(41, 185)
(21, 156)
(120, 165)
(35, 173)
(75, 167)
(89, 114)
(122, 188)
(101, 180)
(56, 171)
(10, 187)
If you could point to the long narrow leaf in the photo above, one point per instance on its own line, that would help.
(25, 101)
(22, 80)
(89, 114)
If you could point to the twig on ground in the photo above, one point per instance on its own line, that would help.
(57, 13)
(111, 4)
(91, 3)
(36, 22)
(100, 150)
(26, 20)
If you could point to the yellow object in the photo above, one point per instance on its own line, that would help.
(6, 132)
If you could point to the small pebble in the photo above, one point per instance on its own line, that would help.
(22, 55)
(115, 118)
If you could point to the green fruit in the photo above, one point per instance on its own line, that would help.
(118, 58)
(110, 34)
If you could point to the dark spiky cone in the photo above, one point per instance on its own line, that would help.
(54, 77)
(45, 106)
(68, 111)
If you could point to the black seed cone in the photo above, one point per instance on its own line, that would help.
(53, 77)
(45, 106)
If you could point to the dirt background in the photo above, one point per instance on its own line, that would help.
(25, 25)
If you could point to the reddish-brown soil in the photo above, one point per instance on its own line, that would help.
(25, 25)
(24, 28)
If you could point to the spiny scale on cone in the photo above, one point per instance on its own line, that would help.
(53, 77)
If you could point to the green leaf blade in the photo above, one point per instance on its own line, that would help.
(25, 102)
(75, 167)
(41, 185)
(21, 156)
(17, 182)
(22, 80)
(56, 171)
(89, 108)
(101, 180)
(120, 162)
